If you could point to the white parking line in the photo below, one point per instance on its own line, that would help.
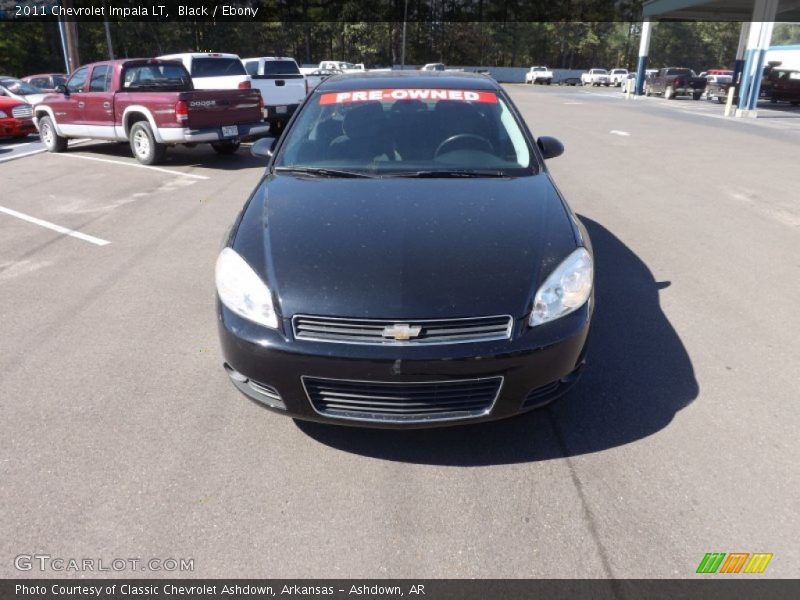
(130, 164)
(15, 156)
(620, 133)
(71, 232)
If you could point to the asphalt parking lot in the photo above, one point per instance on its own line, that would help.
(122, 437)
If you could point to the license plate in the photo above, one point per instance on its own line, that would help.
(230, 131)
(281, 110)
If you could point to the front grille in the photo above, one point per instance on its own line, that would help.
(402, 331)
(402, 402)
(23, 111)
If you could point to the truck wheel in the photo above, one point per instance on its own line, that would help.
(52, 141)
(549, 81)
(225, 147)
(669, 93)
(144, 146)
(697, 95)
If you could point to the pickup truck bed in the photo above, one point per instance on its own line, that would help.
(150, 103)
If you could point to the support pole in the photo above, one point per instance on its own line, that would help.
(644, 50)
(63, 35)
(744, 33)
(758, 42)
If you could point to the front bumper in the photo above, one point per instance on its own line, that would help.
(185, 135)
(12, 127)
(536, 365)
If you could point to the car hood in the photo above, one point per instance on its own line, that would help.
(405, 248)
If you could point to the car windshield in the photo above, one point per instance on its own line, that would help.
(156, 77)
(217, 66)
(17, 86)
(411, 132)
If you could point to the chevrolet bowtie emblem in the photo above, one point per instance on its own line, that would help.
(401, 331)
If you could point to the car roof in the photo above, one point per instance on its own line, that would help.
(424, 79)
(199, 55)
(269, 58)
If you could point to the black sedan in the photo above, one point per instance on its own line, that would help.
(406, 260)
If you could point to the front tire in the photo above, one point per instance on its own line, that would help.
(697, 95)
(144, 146)
(225, 147)
(51, 140)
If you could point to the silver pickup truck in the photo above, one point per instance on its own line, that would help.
(283, 87)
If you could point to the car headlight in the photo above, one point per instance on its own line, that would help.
(3, 115)
(242, 291)
(565, 290)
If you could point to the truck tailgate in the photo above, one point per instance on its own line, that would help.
(281, 89)
(216, 108)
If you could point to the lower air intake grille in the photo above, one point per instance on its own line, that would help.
(402, 402)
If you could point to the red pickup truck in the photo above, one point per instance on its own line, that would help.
(150, 103)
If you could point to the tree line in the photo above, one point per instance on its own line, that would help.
(31, 47)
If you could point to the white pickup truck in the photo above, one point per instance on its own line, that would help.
(283, 87)
(213, 70)
(541, 75)
(595, 77)
(617, 77)
(343, 66)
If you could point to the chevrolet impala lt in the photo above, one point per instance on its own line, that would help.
(406, 260)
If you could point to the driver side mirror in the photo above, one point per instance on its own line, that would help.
(264, 148)
(550, 147)
(62, 89)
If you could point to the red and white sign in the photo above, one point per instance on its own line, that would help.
(407, 94)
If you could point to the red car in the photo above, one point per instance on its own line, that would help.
(47, 82)
(16, 118)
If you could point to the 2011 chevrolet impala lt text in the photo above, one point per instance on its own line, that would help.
(406, 260)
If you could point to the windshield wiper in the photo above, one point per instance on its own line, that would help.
(323, 172)
(451, 173)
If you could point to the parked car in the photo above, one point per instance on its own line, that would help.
(152, 104)
(625, 81)
(213, 70)
(46, 82)
(785, 86)
(617, 77)
(541, 75)
(672, 82)
(433, 67)
(595, 77)
(315, 76)
(388, 289)
(16, 118)
(569, 80)
(283, 87)
(341, 66)
(11, 87)
(717, 87)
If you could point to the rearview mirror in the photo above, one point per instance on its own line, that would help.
(264, 147)
(550, 147)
